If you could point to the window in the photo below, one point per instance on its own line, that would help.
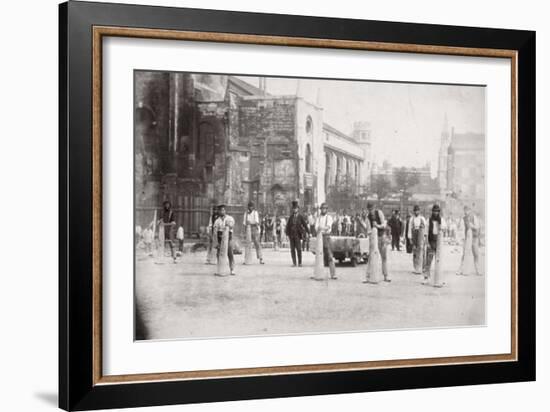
(309, 126)
(308, 158)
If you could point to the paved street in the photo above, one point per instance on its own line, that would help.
(185, 300)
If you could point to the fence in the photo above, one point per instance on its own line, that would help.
(193, 213)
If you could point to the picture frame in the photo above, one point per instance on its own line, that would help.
(82, 28)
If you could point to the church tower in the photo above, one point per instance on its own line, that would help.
(443, 156)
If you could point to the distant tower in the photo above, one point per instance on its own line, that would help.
(443, 156)
(362, 134)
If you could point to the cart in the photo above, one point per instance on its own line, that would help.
(354, 249)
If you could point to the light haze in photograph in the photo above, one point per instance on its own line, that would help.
(268, 206)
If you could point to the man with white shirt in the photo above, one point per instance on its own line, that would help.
(417, 228)
(472, 228)
(323, 227)
(434, 231)
(222, 222)
(252, 219)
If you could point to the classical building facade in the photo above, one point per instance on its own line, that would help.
(206, 139)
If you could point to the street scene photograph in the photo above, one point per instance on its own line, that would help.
(282, 206)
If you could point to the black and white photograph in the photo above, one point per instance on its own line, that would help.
(280, 205)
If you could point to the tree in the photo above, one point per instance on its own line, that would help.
(405, 179)
(381, 186)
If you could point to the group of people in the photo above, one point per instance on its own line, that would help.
(422, 236)
(167, 233)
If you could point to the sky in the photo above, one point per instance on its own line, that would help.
(406, 119)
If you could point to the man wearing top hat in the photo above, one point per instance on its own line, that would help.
(252, 219)
(223, 220)
(296, 230)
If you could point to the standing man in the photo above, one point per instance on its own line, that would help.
(417, 228)
(471, 235)
(168, 222)
(378, 222)
(396, 226)
(323, 227)
(222, 222)
(296, 231)
(252, 219)
(434, 231)
(212, 237)
(180, 235)
(408, 240)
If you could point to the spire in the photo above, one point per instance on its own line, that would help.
(299, 90)
(319, 98)
(445, 131)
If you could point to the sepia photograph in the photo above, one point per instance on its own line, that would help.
(283, 206)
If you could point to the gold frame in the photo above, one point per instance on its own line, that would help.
(101, 31)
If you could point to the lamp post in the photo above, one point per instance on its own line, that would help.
(402, 193)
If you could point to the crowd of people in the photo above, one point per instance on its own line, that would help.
(421, 236)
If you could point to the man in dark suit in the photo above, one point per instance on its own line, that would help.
(396, 225)
(296, 230)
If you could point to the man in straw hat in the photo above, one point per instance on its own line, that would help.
(296, 231)
(225, 223)
(323, 227)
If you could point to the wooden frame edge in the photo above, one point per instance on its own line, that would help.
(98, 32)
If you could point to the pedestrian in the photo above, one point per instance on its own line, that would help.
(396, 227)
(212, 237)
(251, 222)
(262, 229)
(416, 232)
(408, 240)
(148, 241)
(471, 241)
(269, 228)
(224, 223)
(378, 222)
(435, 230)
(167, 224)
(277, 232)
(283, 230)
(180, 235)
(296, 231)
(452, 230)
(323, 227)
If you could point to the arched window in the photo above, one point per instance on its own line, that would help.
(308, 158)
(327, 171)
(309, 126)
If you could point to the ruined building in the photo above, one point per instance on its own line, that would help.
(206, 139)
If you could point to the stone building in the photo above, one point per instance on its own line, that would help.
(462, 170)
(206, 139)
